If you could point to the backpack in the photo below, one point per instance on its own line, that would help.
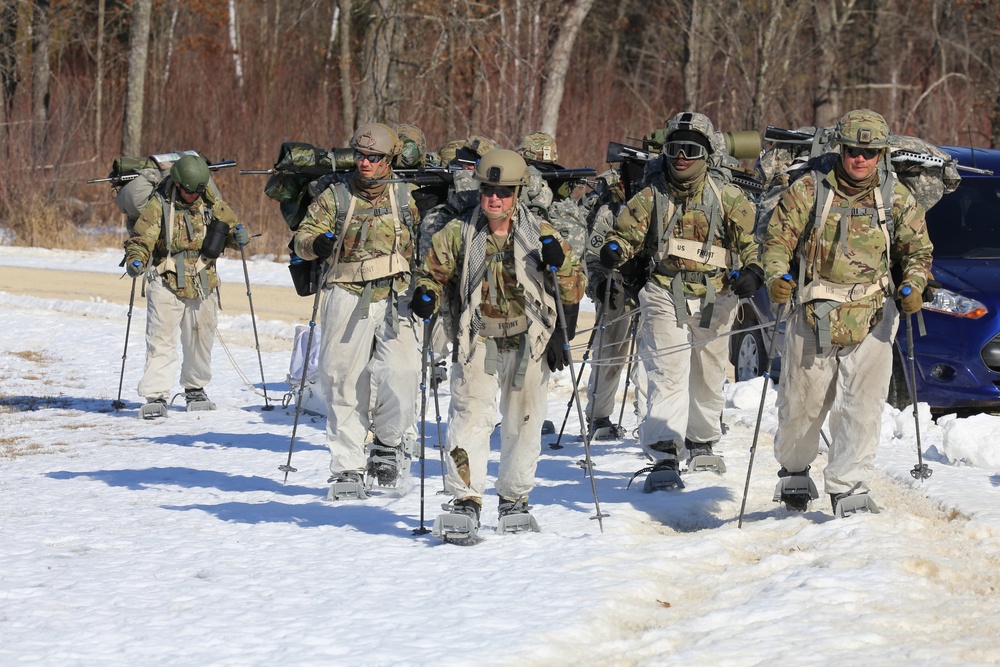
(298, 166)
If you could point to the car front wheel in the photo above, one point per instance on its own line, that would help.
(751, 355)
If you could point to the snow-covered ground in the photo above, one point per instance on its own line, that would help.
(176, 542)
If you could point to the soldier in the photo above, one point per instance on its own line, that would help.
(701, 232)
(178, 236)
(366, 228)
(838, 343)
(508, 336)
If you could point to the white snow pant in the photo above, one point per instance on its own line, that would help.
(611, 345)
(356, 358)
(168, 316)
(684, 396)
(848, 383)
(472, 417)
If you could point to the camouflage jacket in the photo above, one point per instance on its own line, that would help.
(369, 234)
(147, 242)
(632, 232)
(443, 266)
(864, 260)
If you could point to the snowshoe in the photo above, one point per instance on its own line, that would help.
(795, 490)
(197, 400)
(548, 428)
(701, 457)
(846, 504)
(154, 409)
(387, 466)
(663, 476)
(460, 524)
(514, 517)
(346, 485)
(605, 430)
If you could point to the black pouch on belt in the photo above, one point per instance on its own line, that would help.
(215, 239)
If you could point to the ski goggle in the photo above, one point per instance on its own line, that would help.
(688, 149)
(855, 151)
(373, 158)
(501, 191)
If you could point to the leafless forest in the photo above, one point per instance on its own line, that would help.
(83, 81)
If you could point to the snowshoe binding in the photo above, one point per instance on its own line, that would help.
(460, 523)
(604, 430)
(387, 466)
(514, 517)
(197, 400)
(795, 490)
(347, 485)
(701, 457)
(846, 504)
(154, 409)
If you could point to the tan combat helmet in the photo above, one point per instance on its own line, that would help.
(538, 147)
(502, 167)
(377, 138)
(864, 128)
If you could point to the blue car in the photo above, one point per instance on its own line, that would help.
(957, 362)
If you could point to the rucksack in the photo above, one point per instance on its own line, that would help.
(298, 166)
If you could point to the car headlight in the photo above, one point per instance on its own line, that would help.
(948, 302)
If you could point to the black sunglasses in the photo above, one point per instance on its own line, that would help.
(372, 158)
(855, 151)
(501, 191)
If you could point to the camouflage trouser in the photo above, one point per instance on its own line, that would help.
(611, 344)
(369, 375)
(473, 415)
(847, 383)
(683, 388)
(167, 317)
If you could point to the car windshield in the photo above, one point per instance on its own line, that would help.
(966, 223)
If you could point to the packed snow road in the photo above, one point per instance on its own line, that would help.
(175, 541)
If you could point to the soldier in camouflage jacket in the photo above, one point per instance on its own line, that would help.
(175, 241)
(837, 232)
(364, 228)
(698, 231)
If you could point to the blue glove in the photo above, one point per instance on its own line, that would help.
(552, 253)
(241, 235)
(135, 268)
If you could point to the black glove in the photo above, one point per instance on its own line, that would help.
(601, 289)
(323, 245)
(135, 268)
(423, 302)
(611, 255)
(556, 352)
(552, 253)
(747, 281)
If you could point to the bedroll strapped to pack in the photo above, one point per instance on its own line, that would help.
(298, 165)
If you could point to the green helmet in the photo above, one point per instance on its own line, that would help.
(377, 138)
(539, 147)
(502, 167)
(864, 128)
(191, 173)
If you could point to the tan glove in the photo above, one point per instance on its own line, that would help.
(781, 290)
(910, 300)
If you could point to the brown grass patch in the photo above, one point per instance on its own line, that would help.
(31, 355)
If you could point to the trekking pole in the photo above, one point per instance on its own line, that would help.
(287, 468)
(437, 408)
(628, 371)
(920, 471)
(117, 403)
(253, 320)
(760, 409)
(423, 530)
(576, 387)
(579, 408)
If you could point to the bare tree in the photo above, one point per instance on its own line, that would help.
(99, 85)
(346, 89)
(41, 72)
(234, 43)
(375, 98)
(693, 59)
(8, 65)
(558, 64)
(832, 18)
(138, 39)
